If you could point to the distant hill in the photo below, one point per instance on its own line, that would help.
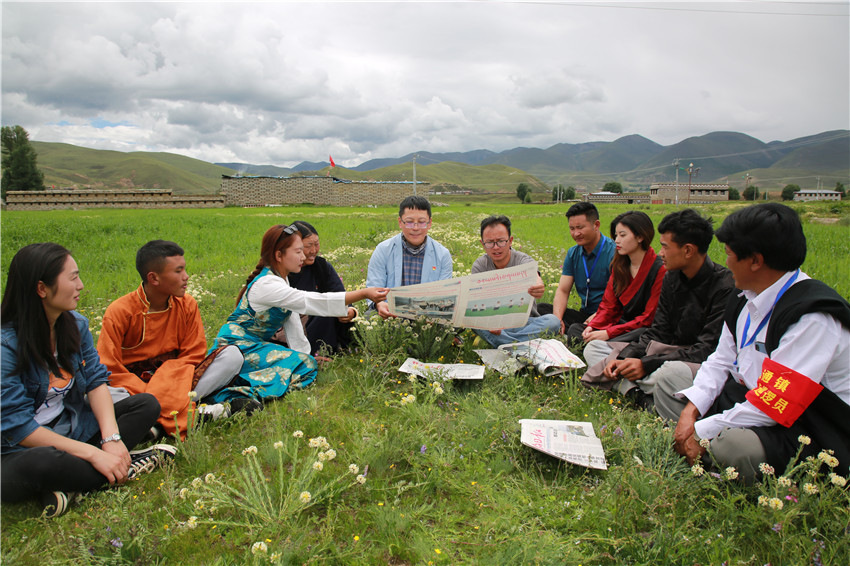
(263, 170)
(66, 165)
(632, 160)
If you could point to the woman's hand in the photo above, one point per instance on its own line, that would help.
(591, 334)
(376, 294)
(114, 467)
(352, 312)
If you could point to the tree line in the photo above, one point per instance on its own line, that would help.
(20, 163)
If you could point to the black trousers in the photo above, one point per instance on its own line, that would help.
(28, 473)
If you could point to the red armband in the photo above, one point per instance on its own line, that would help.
(782, 393)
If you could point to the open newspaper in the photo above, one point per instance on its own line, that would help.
(448, 371)
(571, 441)
(491, 300)
(549, 356)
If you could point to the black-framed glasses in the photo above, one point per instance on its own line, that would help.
(412, 225)
(497, 243)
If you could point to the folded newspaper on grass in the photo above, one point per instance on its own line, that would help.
(550, 357)
(491, 300)
(447, 371)
(571, 441)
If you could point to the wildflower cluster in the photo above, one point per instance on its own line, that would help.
(300, 477)
(423, 339)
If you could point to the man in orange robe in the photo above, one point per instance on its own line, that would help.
(153, 341)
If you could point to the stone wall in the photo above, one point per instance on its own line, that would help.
(263, 191)
(56, 199)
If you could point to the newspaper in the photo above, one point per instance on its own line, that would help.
(491, 300)
(571, 441)
(448, 371)
(548, 356)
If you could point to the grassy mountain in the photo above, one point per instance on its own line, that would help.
(264, 170)
(633, 160)
(446, 176)
(66, 165)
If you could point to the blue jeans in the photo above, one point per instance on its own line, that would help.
(536, 327)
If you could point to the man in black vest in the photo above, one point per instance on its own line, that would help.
(802, 328)
(687, 322)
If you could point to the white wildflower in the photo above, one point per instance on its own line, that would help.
(305, 497)
(259, 548)
(298, 434)
(352, 468)
(804, 440)
(318, 466)
(249, 450)
(837, 480)
(361, 479)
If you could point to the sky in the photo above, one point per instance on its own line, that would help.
(284, 82)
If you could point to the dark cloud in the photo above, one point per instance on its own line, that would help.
(286, 82)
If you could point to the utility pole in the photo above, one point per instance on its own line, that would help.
(676, 165)
(747, 185)
(691, 172)
(414, 173)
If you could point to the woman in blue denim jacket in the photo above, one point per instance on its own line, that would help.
(60, 431)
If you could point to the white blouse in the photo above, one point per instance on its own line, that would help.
(271, 290)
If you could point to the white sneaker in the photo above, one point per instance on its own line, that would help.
(214, 412)
(147, 460)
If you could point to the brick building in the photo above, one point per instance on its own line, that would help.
(809, 194)
(696, 193)
(262, 191)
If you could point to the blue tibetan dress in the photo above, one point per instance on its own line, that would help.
(269, 370)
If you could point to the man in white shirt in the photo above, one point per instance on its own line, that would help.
(808, 332)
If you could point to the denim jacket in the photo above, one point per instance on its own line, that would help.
(23, 393)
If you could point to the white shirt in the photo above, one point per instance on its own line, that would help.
(817, 346)
(272, 290)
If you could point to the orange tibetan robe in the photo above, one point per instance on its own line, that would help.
(132, 334)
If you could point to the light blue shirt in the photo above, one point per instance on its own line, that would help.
(386, 263)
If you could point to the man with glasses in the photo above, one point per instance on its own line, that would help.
(152, 341)
(496, 239)
(411, 257)
(587, 266)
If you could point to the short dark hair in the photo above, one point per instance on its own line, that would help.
(152, 256)
(305, 228)
(416, 203)
(493, 220)
(688, 227)
(588, 209)
(770, 229)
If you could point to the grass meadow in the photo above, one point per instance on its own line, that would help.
(367, 467)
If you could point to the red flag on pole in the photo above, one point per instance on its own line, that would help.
(332, 161)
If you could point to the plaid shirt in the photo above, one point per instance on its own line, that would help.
(411, 263)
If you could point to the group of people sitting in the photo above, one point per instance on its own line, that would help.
(662, 330)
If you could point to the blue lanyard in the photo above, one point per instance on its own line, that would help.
(588, 274)
(744, 341)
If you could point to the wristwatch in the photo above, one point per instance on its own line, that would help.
(114, 438)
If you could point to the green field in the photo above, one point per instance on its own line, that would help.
(448, 481)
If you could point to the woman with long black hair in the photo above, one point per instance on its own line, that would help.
(631, 297)
(60, 431)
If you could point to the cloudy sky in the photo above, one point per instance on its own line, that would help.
(284, 82)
